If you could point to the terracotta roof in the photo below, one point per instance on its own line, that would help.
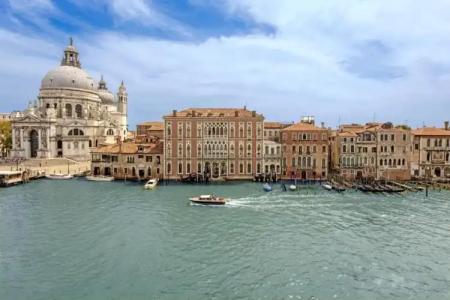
(431, 131)
(152, 125)
(304, 126)
(347, 133)
(273, 125)
(130, 148)
(215, 112)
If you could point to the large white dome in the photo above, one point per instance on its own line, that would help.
(68, 77)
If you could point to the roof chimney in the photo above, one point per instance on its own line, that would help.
(174, 112)
(253, 113)
(446, 125)
(322, 124)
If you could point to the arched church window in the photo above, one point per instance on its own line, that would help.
(78, 111)
(68, 110)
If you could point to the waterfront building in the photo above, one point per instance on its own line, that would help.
(371, 151)
(394, 152)
(128, 160)
(272, 147)
(146, 132)
(305, 150)
(431, 153)
(73, 114)
(221, 143)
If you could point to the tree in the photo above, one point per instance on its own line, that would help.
(5, 138)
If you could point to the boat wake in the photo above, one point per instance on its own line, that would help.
(274, 200)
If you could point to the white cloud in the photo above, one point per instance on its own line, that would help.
(297, 71)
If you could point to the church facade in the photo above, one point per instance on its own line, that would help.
(72, 114)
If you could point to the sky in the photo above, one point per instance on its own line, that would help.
(349, 61)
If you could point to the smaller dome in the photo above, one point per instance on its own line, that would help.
(107, 97)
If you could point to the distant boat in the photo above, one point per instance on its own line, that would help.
(208, 200)
(100, 178)
(327, 186)
(151, 184)
(267, 187)
(292, 187)
(59, 176)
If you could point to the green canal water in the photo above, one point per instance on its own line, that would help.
(86, 240)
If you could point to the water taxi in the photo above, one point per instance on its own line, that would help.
(151, 184)
(208, 200)
(100, 178)
(59, 176)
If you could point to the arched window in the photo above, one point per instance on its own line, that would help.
(199, 168)
(68, 109)
(169, 168)
(76, 131)
(249, 168)
(133, 172)
(188, 168)
(110, 132)
(149, 172)
(180, 168)
(90, 143)
(241, 168)
(79, 111)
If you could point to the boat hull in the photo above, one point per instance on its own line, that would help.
(99, 179)
(59, 177)
(206, 202)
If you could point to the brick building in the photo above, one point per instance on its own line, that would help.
(305, 150)
(221, 143)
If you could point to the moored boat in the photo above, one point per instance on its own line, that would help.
(327, 186)
(208, 200)
(292, 187)
(59, 176)
(267, 187)
(151, 183)
(100, 178)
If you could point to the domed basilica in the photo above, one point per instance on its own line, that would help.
(72, 114)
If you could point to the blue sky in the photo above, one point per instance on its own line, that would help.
(342, 61)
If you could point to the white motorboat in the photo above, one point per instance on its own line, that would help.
(100, 178)
(208, 200)
(151, 184)
(267, 187)
(327, 186)
(59, 176)
(292, 187)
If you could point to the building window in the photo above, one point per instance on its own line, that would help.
(68, 110)
(78, 111)
(169, 168)
(232, 168)
(249, 168)
(110, 132)
(180, 168)
(241, 168)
